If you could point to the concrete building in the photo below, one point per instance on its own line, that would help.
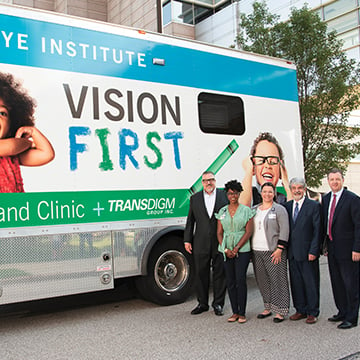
(212, 21)
(216, 21)
(135, 13)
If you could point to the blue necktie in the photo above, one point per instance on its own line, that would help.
(296, 212)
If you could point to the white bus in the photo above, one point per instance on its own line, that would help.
(134, 119)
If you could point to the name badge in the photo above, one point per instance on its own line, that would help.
(272, 216)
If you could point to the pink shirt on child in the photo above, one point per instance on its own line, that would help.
(10, 175)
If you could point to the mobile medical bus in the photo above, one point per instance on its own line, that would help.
(134, 119)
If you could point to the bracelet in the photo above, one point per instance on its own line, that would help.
(281, 248)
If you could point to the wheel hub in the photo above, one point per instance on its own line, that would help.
(171, 271)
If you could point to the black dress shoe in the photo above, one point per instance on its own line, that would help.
(199, 309)
(346, 325)
(336, 318)
(218, 310)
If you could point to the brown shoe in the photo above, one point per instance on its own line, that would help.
(311, 319)
(233, 318)
(297, 316)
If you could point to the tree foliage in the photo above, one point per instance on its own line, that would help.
(328, 83)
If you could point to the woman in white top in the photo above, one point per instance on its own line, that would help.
(269, 243)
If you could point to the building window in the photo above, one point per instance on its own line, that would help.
(201, 14)
(353, 53)
(320, 12)
(166, 13)
(221, 114)
(187, 12)
(182, 12)
(339, 7)
(210, 2)
(344, 23)
(350, 38)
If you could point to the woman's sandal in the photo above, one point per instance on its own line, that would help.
(264, 315)
(277, 319)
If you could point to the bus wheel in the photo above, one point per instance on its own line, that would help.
(170, 273)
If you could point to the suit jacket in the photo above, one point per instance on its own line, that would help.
(345, 227)
(276, 224)
(305, 234)
(200, 229)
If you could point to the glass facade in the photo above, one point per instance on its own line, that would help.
(343, 16)
(339, 7)
(344, 23)
(184, 12)
(350, 38)
(190, 12)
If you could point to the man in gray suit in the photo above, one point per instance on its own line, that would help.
(303, 252)
(200, 240)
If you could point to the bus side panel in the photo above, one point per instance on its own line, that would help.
(129, 247)
(35, 267)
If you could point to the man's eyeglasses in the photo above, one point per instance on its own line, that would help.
(271, 160)
(208, 180)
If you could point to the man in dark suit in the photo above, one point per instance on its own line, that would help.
(200, 240)
(341, 214)
(303, 252)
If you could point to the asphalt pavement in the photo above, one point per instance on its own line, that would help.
(103, 327)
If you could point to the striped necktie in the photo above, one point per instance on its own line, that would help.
(331, 216)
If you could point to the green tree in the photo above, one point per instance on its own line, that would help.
(328, 83)
(256, 33)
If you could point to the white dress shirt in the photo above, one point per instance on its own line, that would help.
(210, 202)
(300, 202)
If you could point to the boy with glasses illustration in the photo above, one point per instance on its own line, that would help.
(266, 162)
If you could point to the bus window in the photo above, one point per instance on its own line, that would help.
(221, 114)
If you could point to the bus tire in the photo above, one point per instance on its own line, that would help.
(169, 278)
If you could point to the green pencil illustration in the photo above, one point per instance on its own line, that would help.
(214, 167)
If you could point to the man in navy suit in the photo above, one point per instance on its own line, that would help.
(341, 214)
(303, 252)
(200, 240)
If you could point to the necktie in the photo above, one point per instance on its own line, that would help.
(331, 216)
(296, 211)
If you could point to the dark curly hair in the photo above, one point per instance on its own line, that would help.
(20, 105)
(270, 138)
(233, 185)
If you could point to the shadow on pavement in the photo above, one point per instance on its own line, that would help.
(124, 290)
